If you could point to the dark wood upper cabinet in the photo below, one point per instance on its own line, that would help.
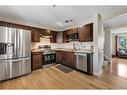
(53, 36)
(72, 31)
(13, 25)
(65, 40)
(86, 33)
(35, 35)
(2, 23)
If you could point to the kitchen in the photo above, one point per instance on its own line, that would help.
(70, 56)
(66, 54)
(43, 55)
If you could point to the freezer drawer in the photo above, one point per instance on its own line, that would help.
(2, 70)
(26, 66)
(13, 69)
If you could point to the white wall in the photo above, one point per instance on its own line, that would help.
(107, 45)
(98, 45)
(113, 51)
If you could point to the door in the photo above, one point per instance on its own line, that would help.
(53, 36)
(2, 70)
(26, 66)
(3, 34)
(23, 43)
(59, 56)
(26, 43)
(35, 35)
(81, 62)
(13, 68)
(36, 60)
(68, 59)
(86, 33)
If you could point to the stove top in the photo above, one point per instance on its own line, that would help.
(46, 49)
(48, 52)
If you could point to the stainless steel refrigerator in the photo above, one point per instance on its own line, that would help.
(15, 52)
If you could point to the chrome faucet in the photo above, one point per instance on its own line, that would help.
(74, 46)
(91, 48)
(83, 46)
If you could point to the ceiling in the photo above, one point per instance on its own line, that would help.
(53, 17)
(120, 30)
(116, 22)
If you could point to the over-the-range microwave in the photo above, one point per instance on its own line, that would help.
(73, 37)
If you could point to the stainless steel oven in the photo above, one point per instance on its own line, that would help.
(49, 58)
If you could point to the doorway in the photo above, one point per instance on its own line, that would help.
(119, 43)
(116, 48)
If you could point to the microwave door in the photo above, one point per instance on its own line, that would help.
(70, 37)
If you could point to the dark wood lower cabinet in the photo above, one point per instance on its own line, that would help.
(90, 63)
(36, 60)
(68, 59)
(59, 56)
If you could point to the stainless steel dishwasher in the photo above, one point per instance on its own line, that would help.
(81, 61)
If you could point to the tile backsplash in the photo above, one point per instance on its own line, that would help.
(78, 45)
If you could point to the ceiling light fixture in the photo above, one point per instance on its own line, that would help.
(53, 6)
(66, 22)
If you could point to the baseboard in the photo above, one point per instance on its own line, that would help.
(98, 73)
(107, 59)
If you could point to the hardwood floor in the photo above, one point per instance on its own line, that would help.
(119, 67)
(54, 78)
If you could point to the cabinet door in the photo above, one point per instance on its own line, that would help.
(36, 60)
(2, 70)
(72, 31)
(68, 59)
(6, 24)
(65, 39)
(75, 30)
(53, 37)
(86, 33)
(59, 56)
(35, 35)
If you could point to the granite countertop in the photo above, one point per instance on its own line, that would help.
(37, 50)
(76, 51)
(68, 50)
